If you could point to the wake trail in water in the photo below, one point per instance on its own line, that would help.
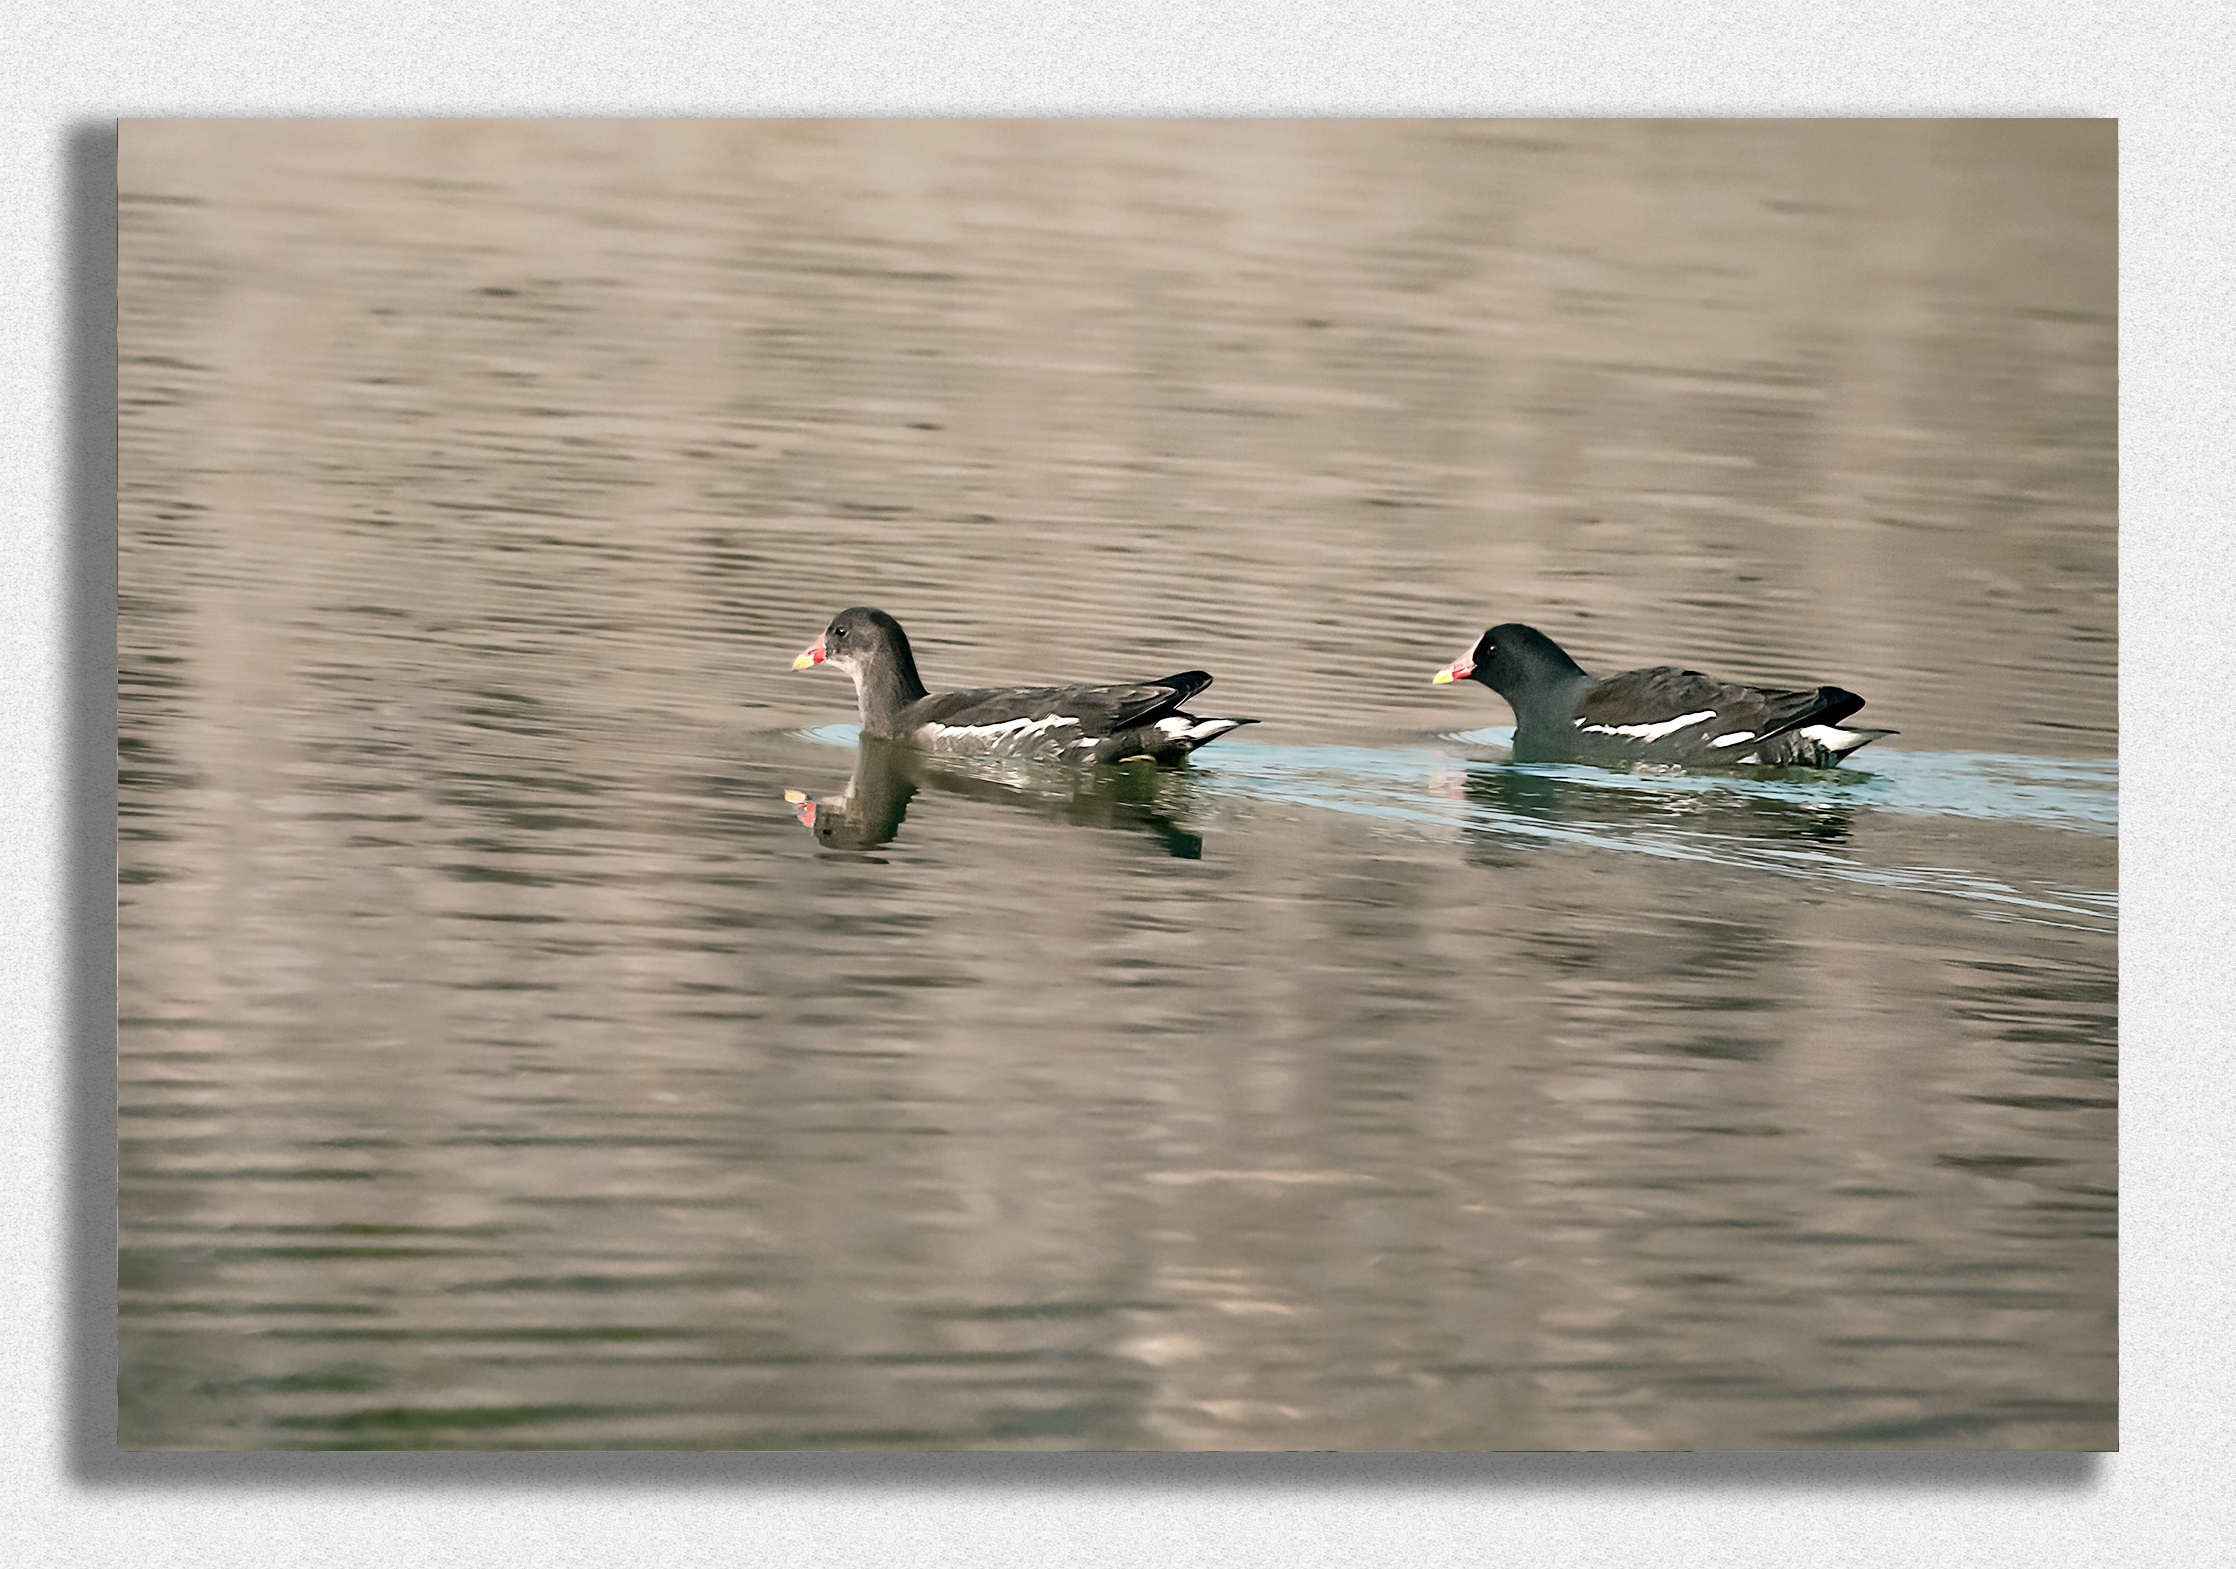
(1787, 822)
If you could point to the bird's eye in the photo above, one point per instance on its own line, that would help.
(838, 632)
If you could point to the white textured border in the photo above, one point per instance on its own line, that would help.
(68, 66)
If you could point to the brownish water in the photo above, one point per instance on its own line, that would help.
(503, 1065)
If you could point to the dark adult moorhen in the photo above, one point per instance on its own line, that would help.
(1565, 714)
(1072, 724)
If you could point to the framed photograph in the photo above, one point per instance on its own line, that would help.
(1211, 785)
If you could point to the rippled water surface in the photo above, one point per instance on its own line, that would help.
(546, 1025)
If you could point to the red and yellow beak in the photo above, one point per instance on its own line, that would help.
(811, 655)
(1458, 670)
(802, 807)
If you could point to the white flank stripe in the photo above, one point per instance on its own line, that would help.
(1009, 727)
(1654, 732)
(1734, 738)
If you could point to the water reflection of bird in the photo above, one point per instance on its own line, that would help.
(1075, 724)
(1514, 802)
(1565, 714)
(887, 778)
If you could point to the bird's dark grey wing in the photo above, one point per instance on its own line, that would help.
(1643, 698)
(1100, 710)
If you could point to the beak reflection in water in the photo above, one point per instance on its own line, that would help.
(802, 808)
